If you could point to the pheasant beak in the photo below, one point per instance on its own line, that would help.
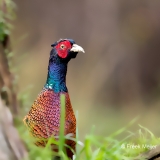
(77, 48)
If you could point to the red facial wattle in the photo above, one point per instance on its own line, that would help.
(62, 48)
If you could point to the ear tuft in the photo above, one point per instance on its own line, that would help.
(54, 44)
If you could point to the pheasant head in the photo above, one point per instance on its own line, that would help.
(62, 52)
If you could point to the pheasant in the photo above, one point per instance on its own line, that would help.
(43, 119)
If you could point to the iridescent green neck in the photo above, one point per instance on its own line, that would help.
(56, 78)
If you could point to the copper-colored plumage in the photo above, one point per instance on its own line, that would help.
(43, 120)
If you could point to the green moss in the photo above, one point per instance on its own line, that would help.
(6, 15)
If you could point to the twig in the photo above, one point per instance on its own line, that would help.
(153, 154)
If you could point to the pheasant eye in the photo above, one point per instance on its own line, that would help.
(62, 46)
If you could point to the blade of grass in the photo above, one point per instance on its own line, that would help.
(62, 124)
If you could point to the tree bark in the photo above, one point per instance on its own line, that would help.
(11, 146)
(6, 77)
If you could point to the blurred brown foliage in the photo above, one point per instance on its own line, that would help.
(121, 40)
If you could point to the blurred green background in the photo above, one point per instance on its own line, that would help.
(116, 80)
